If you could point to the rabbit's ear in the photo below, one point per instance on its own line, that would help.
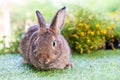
(41, 21)
(58, 20)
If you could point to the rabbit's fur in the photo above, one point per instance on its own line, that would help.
(44, 47)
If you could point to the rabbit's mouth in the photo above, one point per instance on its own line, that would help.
(46, 65)
(49, 62)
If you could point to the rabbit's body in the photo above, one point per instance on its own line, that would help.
(25, 42)
(44, 47)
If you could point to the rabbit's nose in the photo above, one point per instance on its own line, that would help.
(46, 59)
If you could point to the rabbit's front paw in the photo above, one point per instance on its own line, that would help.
(25, 62)
(69, 66)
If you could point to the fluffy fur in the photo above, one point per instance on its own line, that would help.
(44, 47)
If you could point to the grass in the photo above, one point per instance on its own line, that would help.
(100, 65)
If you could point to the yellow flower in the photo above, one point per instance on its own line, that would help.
(109, 28)
(92, 33)
(104, 32)
(98, 26)
(75, 36)
(82, 34)
(79, 47)
(87, 26)
(91, 47)
(98, 32)
(103, 38)
(88, 40)
(80, 24)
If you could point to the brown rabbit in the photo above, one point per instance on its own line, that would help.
(44, 47)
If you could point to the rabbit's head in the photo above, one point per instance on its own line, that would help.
(47, 47)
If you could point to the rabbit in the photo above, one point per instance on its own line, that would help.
(44, 47)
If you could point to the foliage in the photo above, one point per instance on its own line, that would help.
(115, 19)
(14, 44)
(3, 48)
(87, 32)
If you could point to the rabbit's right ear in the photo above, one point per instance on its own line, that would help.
(58, 20)
(41, 21)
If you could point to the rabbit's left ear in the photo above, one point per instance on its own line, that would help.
(41, 21)
(58, 20)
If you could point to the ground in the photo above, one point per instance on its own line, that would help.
(99, 65)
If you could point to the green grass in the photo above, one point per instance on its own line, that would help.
(100, 65)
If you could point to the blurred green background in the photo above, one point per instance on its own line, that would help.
(21, 15)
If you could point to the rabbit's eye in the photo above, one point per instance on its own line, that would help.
(54, 43)
(35, 52)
